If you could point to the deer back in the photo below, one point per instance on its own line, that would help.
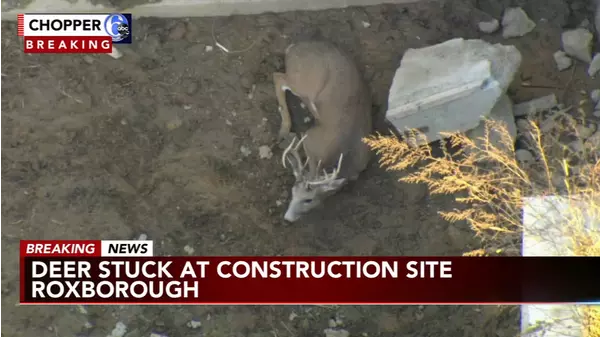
(330, 84)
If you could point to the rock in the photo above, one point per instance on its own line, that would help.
(450, 86)
(245, 151)
(523, 125)
(264, 152)
(115, 53)
(524, 157)
(208, 48)
(119, 330)
(586, 131)
(558, 181)
(535, 105)
(330, 332)
(194, 324)
(562, 60)
(593, 142)
(577, 146)
(595, 95)
(189, 250)
(594, 65)
(489, 26)
(502, 112)
(88, 59)
(515, 23)
(577, 43)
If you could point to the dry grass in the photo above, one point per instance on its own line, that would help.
(490, 184)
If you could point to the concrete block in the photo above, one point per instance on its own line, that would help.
(450, 86)
(544, 234)
(502, 112)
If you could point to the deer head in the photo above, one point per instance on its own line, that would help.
(310, 188)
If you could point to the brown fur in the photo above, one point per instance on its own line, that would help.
(322, 74)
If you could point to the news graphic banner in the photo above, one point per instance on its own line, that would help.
(126, 272)
(73, 33)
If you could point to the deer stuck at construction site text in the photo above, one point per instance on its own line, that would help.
(331, 87)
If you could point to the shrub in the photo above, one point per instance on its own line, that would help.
(490, 183)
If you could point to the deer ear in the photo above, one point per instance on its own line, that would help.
(334, 185)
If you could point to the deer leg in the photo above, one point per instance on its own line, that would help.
(286, 122)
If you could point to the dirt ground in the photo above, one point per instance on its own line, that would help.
(99, 148)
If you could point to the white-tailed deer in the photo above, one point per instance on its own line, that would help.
(330, 85)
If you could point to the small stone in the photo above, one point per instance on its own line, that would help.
(278, 203)
(535, 105)
(264, 152)
(574, 170)
(515, 23)
(119, 330)
(332, 323)
(115, 53)
(88, 325)
(228, 122)
(88, 59)
(292, 315)
(208, 48)
(194, 324)
(489, 26)
(524, 156)
(562, 60)
(188, 250)
(577, 43)
(82, 309)
(245, 151)
(586, 132)
(523, 125)
(577, 146)
(336, 333)
(585, 24)
(593, 141)
(595, 95)
(594, 65)
(143, 237)
(365, 24)
(558, 180)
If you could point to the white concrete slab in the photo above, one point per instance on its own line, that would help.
(450, 86)
(545, 235)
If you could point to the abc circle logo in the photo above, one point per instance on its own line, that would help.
(117, 26)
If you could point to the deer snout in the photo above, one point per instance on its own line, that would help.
(291, 216)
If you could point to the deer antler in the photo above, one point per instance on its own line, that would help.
(327, 177)
(297, 165)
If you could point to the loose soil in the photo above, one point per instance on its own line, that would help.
(99, 148)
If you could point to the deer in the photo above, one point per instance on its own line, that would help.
(329, 84)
